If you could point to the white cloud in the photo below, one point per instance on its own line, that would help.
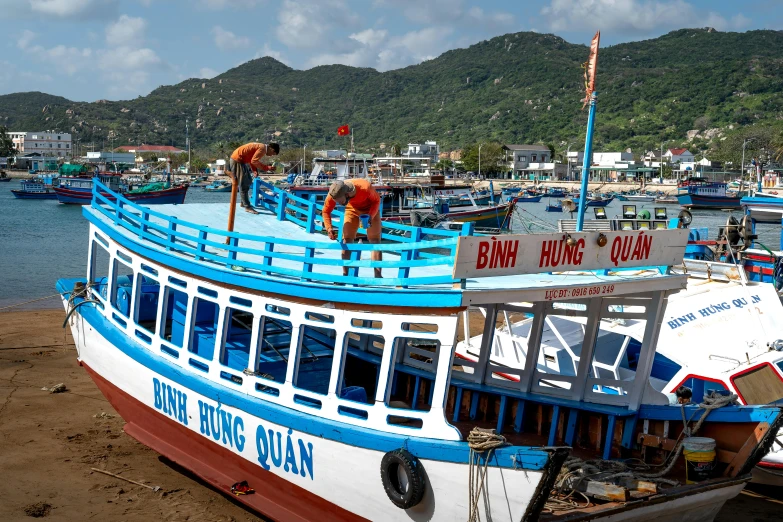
(376, 49)
(450, 12)
(125, 31)
(226, 40)
(24, 41)
(307, 24)
(76, 9)
(207, 73)
(222, 4)
(267, 50)
(633, 16)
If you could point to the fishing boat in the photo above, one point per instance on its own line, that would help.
(637, 198)
(254, 363)
(722, 334)
(4, 177)
(528, 199)
(35, 189)
(557, 207)
(79, 190)
(703, 193)
(218, 186)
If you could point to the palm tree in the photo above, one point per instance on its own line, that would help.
(221, 148)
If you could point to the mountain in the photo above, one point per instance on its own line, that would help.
(517, 88)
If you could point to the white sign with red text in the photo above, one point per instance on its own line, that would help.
(484, 256)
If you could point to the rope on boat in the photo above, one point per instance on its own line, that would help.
(28, 302)
(79, 290)
(480, 441)
(575, 470)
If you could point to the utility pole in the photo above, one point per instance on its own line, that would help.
(187, 142)
(304, 158)
(742, 166)
(479, 172)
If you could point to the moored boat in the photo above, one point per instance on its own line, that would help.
(703, 193)
(218, 186)
(249, 358)
(35, 189)
(78, 191)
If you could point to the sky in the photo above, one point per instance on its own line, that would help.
(87, 50)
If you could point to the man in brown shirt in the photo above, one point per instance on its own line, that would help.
(247, 158)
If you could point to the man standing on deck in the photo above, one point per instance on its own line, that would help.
(358, 197)
(247, 158)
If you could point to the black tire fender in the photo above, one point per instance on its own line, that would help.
(391, 463)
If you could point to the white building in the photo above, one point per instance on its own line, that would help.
(679, 156)
(47, 143)
(111, 157)
(531, 162)
(611, 159)
(429, 149)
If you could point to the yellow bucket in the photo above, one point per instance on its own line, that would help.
(699, 455)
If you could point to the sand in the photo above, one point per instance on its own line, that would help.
(49, 442)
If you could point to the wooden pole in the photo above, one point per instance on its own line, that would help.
(232, 209)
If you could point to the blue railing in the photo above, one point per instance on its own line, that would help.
(200, 242)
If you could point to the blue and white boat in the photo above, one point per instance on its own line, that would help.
(36, 188)
(703, 193)
(78, 190)
(218, 186)
(252, 358)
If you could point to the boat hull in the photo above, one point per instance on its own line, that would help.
(699, 201)
(641, 199)
(189, 436)
(21, 194)
(174, 196)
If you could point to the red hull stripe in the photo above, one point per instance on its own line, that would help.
(274, 497)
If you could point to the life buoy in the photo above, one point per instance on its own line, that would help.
(395, 464)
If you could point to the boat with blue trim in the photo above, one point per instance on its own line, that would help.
(40, 187)
(252, 358)
(703, 193)
(78, 191)
(218, 186)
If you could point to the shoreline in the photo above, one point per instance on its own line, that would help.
(50, 441)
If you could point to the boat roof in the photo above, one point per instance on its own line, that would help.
(277, 255)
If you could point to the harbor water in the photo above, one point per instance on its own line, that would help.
(41, 240)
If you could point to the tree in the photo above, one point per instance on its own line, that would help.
(396, 149)
(198, 164)
(492, 158)
(444, 165)
(6, 143)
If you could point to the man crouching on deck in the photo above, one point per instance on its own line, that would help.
(247, 158)
(358, 197)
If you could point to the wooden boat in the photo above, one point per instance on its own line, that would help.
(79, 190)
(703, 193)
(247, 357)
(34, 189)
(218, 186)
(558, 207)
(702, 346)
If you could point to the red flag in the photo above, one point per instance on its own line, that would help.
(590, 69)
(343, 131)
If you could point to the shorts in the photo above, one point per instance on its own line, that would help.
(352, 222)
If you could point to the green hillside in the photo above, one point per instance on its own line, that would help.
(516, 88)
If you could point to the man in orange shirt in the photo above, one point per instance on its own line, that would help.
(358, 197)
(247, 158)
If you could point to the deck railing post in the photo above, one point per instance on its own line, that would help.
(254, 193)
(232, 253)
(311, 217)
(268, 247)
(202, 247)
(282, 201)
(145, 216)
(118, 212)
(172, 233)
(467, 230)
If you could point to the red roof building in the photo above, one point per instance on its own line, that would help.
(138, 149)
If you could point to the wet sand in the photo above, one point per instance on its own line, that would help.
(49, 442)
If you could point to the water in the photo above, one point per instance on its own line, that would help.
(42, 241)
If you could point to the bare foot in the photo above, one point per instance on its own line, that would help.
(251, 210)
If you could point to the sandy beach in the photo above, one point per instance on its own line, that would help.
(50, 441)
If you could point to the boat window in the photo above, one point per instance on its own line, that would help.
(205, 318)
(413, 373)
(274, 347)
(239, 327)
(122, 288)
(316, 353)
(361, 363)
(366, 323)
(759, 386)
(99, 270)
(148, 290)
(175, 310)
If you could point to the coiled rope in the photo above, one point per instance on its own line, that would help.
(480, 441)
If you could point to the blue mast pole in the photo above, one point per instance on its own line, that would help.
(586, 161)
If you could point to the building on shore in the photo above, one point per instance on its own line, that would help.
(111, 157)
(428, 149)
(531, 162)
(46, 143)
